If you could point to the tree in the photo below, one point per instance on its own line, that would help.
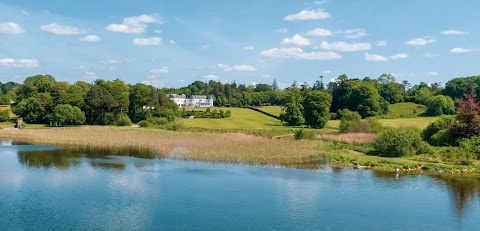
(293, 112)
(65, 114)
(262, 87)
(316, 107)
(392, 92)
(440, 105)
(275, 84)
(468, 117)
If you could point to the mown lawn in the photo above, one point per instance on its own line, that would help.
(273, 110)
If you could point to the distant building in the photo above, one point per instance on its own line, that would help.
(191, 101)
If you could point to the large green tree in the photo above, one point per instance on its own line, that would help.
(316, 106)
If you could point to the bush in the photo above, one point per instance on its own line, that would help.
(4, 116)
(440, 105)
(176, 126)
(158, 120)
(124, 120)
(400, 142)
(349, 120)
(454, 155)
(437, 133)
(144, 124)
(303, 134)
(471, 146)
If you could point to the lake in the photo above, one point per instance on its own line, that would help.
(47, 188)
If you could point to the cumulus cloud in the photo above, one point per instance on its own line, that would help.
(454, 32)
(296, 40)
(172, 42)
(91, 38)
(375, 58)
(354, 33)
(24, 12)
(399, 56)
(326, 72)
(432, 73)
(155, 41)
(135, 25)
(10, 28)
(19, 63)
(429, 55)
(249, 48)
(297, 53)
(211, 77)
(90, 75)
(420, 41)
(111, 61)
(459, 50)
(345, 47)
(319, 32)
(236, 67)
(159, 70)
(308, 15)
(379, 58)
(58, 29)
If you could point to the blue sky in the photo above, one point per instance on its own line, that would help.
(173, 43)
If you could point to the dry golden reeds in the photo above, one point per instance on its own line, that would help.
(349, 138)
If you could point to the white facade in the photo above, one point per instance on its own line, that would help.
(192, 101)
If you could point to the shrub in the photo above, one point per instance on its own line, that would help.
(454, 155)
(144, 124)
(124, 120)
(158, 120)
(176, 126)
(440, 105)
(4, 116)
(349, 120)
(400, 142)
(437, 133)
(303, 134)
(471, 146)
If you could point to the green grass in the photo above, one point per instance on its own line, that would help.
(274, 110)
(405, 110)
(241, 118)
(419, 122)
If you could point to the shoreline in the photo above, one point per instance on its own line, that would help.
(233, 148)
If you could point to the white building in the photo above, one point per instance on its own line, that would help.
(192, 101)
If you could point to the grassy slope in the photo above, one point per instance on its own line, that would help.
(399, 110)
(274, 110)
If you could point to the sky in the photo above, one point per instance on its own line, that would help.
(173, 43)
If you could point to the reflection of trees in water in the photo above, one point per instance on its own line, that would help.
(64, 159)
(464, 190)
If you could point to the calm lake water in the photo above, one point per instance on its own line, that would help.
(46, 188)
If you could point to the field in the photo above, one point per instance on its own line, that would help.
(405, 110)
(273, 110)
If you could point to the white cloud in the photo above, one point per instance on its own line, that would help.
(308, 15)
(296, 40)
(91, 38)
(159, 70)
(375, 58)
(264, 76)
(297, 53)
(281, 30)
(135, 25)
(249, 48)
(379, 58)
(420, 41)
(59, 29)
(459, 50)
(20, 63)
(381, 44)
(236, 67)
(345, 47)
(354, 33)
(319, 32)
(399, 56)
(326, 72)
(432, 73)
(205, 46)
(211, 77)
(10, 28)
(172, 42)
(155, 41)
(24, 12)
(157, 31)
(90, 75)
(454, 32)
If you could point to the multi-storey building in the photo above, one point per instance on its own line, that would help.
(191, 101)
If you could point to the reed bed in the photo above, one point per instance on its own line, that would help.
(229, 147)
(349, 138)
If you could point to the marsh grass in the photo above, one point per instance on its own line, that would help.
(349, 138)
(228, 147)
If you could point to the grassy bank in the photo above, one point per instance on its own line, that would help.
(233, 148)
